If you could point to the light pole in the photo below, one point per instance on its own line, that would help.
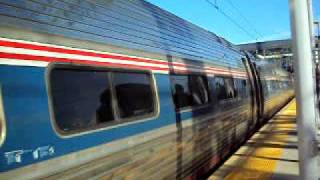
(305, 89)
(310, 20)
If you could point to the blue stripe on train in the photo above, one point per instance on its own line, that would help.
(28, 122)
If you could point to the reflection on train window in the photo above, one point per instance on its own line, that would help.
(244, 88)
(84, 99)
(189, 90)
(81, 98)
(224, 88)
(181, 92)
(241, 87)
(220, 89)
(266, 90)
(199, 89)
(231, 93)
(134, 94)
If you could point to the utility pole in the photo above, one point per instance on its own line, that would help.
(304, 87)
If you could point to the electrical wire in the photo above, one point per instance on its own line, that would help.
(231, 19)
(243, 17)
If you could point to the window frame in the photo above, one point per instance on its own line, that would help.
(3, 127)
(118, 121)
(191, 107)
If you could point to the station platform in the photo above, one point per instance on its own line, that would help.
(271, 153)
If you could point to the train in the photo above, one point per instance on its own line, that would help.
(117, 89)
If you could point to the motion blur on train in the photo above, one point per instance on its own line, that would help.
(123, 89)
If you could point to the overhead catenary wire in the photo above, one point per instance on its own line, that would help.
(215, 5)
(244, 17)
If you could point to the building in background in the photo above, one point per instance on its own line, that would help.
(278, 51)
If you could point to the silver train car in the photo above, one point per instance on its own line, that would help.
(116, 89)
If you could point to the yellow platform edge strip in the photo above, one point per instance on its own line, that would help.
(261, 162)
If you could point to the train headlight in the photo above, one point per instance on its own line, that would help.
(2, 119)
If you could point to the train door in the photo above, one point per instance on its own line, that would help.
(259, 92)
(254, 93)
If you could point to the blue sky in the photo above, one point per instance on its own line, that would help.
(263, 19)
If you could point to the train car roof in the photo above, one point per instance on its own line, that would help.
(137, 25)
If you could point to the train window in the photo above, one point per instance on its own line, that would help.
(181, 93)
(224, 88)
(189, 90)
(134, 94)
(81, 98)
(231, 91)
(241, 87)
(245, 85)
(87, 98)
(199, 89)
(245, 88)
(266, 88)
(220, 89)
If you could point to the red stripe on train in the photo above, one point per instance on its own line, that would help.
(67, 60)
(100, 55)
(75, 52)
(86, 62)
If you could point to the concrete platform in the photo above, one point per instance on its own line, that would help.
(272, 153)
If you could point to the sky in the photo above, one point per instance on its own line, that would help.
(255, 20)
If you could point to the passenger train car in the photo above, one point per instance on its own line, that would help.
(122, 89)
